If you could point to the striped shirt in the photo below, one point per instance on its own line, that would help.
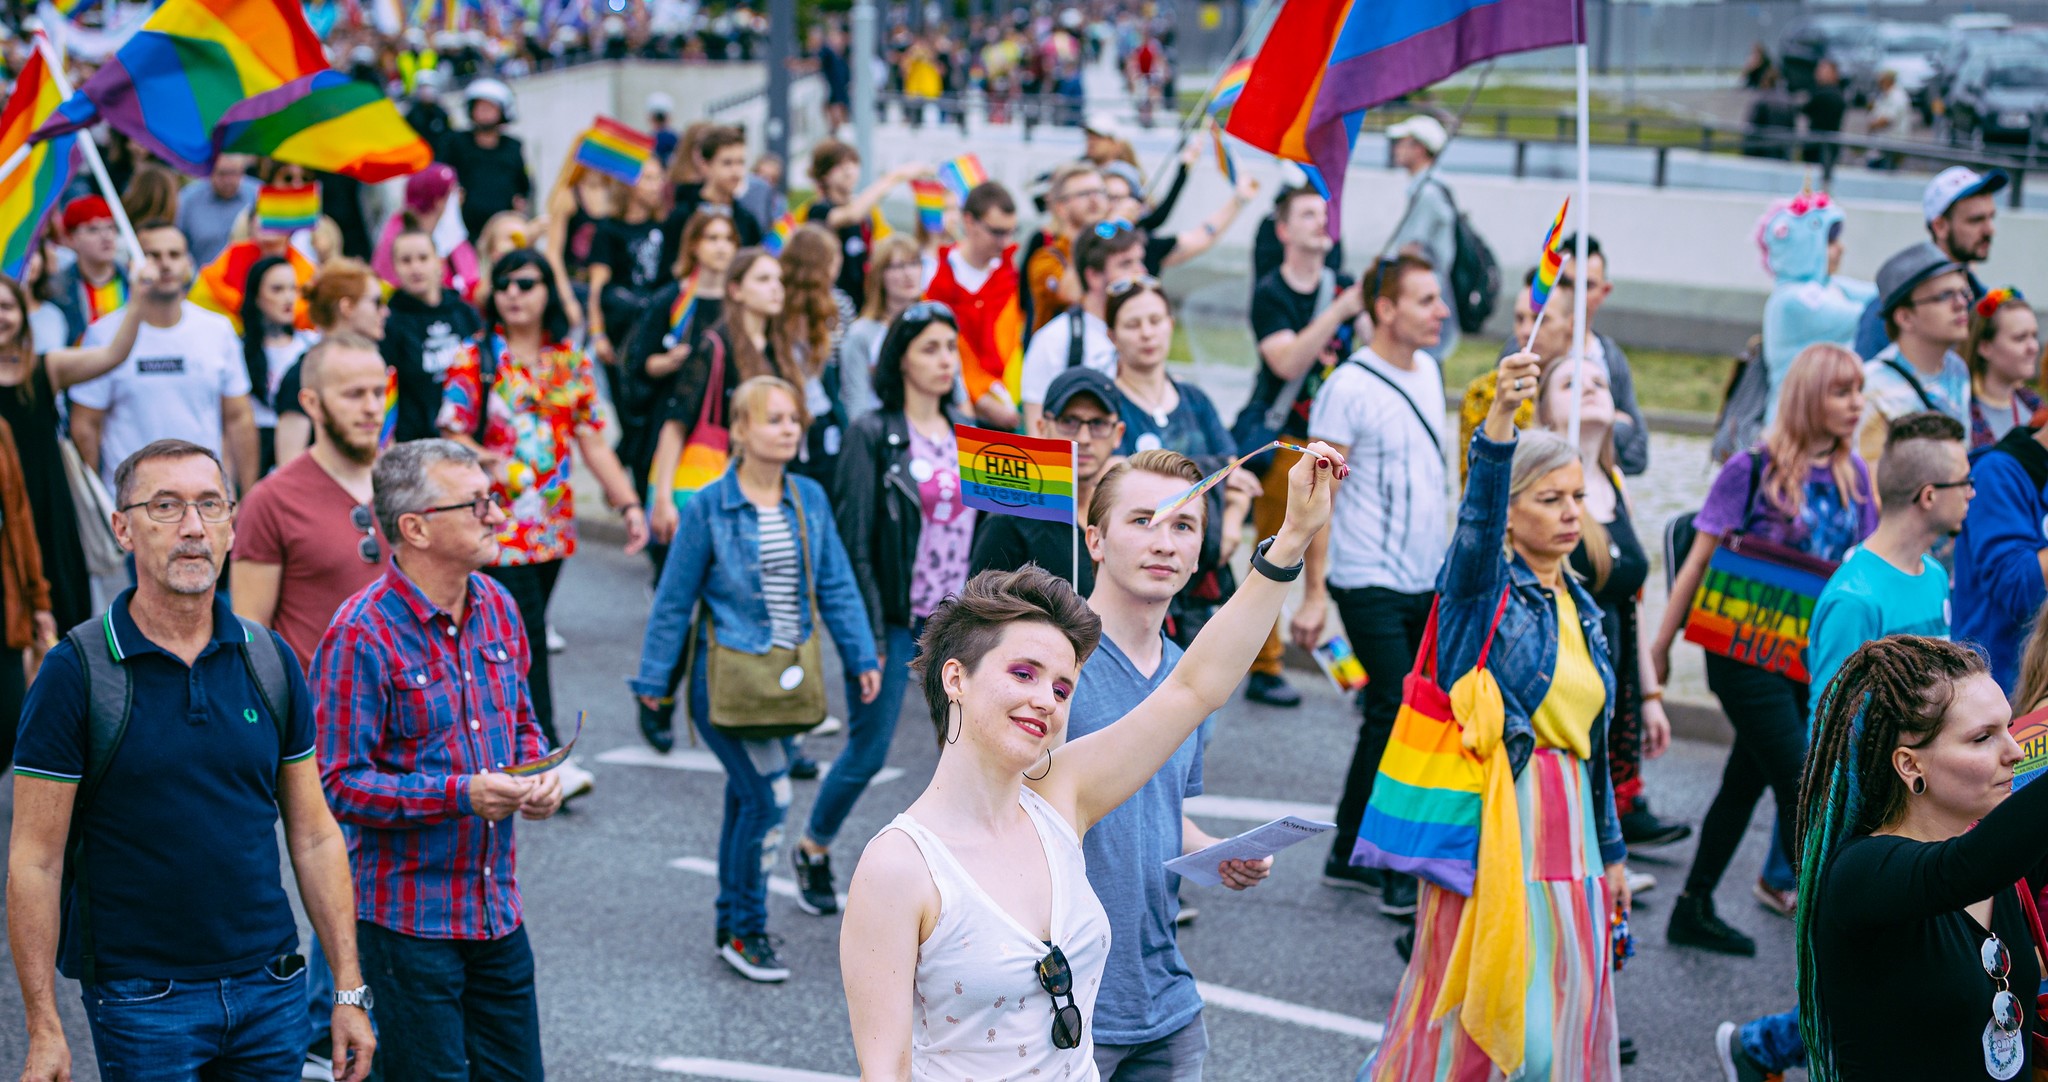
(781, 577)
(411, 701)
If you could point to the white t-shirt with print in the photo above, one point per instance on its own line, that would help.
(1046, 357)
(1392, 523)
(170, 386)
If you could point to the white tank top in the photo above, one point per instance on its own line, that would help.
(980, 1013)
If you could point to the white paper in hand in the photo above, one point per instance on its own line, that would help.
(1201, 866)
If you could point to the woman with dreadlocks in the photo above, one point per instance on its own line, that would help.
(1917, 955)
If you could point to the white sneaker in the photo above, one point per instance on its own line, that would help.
(1640, 883)
(830, 725)
(576, 781)
(556, 643)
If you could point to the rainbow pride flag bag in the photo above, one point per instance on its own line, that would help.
(1755, 602)
(707, 450)
(1426, 808)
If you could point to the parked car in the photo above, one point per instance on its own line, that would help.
(1907, 50)
(1965, 41)
(1806, 42)
(2000, 96)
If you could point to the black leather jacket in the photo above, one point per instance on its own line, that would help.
(879, 513)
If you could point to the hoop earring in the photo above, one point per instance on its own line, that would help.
(954, 721)
(1042, 774)
(1919, 786)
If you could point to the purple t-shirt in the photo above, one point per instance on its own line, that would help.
(1827, 526)
(948, 532)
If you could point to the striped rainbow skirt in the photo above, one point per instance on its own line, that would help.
(1571, 1031)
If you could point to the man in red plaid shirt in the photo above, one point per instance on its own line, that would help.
(421, 685)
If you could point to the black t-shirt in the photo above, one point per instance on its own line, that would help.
(1824, 109)
(491, 177)
(1157, 248)
(1277, 307)
(1006, 543)
(1267, 252)
(421, 342)
(854, 242)
(632, 250)
(689, 199)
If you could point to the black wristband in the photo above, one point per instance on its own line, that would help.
(1271, 570)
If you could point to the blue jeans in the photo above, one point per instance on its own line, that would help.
(869, 730)
(225, 1030)
(451, 1010)
(756, 800)
(1779, 874)
(1773, 1042)
(1176, 1057)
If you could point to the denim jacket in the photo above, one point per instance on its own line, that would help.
(716, 559)
(1524, 655)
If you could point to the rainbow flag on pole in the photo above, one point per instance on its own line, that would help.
(614, 149)
(931, 204)
(37, 172)
(1551, 261)
(390, 426)
(1229, 86)
(963, 174)
(1006, 474)
(284, 211)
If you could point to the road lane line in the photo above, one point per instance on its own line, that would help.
(777, 884)
(1232, 999)
(730, 1070)
(1250, 809)
(702, 762)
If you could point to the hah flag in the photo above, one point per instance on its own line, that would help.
(207, 77)
(615, 150)
(1304, 102)
(40, 171)
(963, 174)
(1006, 474)
(2030, 731)
(1551, 261)
(930, 196)
(280, 212)
(1229, 86)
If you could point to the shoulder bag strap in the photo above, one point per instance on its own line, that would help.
(1076, 330)
(486, 379)
(1906, 373)
(1499, 610)
(803, 529)
(712, 410)
(1425, 654)
(1412, 407)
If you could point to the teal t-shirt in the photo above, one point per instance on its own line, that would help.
(1868, 598)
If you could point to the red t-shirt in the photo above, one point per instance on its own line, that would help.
(298, 519)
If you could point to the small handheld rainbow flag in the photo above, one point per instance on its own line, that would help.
(1007, 474)
(535, 767)
(1224, 161)
(963, 174)
(778, 234)
(614, 149)
(1551, 261)
(1194, 492)
(680, 312)
(1229, 86)
(284, 211)
(390, 428)
(931, 205)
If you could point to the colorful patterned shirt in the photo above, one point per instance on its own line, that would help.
(534, 414)
(948, 534)
(411, 701)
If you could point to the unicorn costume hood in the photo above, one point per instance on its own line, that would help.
(1807, 305)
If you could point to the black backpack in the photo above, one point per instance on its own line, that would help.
(1475, 274)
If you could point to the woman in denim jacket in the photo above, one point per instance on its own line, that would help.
(737, 552)
(1520, 521)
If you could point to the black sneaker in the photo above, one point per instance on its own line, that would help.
(1694, 924)
(1628, 1051)
(1641, 829)
(1272, 691)
(1735, 1064)
(1397, 897)
(814, 893)
(803, 768)
(1404, 944)
(1343, 876)
(754, 957)
(657, 727)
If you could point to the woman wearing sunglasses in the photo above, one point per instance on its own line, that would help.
(1918, 949)
(526, 401)
(973, 945)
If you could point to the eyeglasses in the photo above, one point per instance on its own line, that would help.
(1084, 193)
(1124, 285)
(1108, 228)
(168, 509)
(1959, 296)
(360, 517)
(992, 230)
(481, 507)
(924, 310)
(1057, 978)
(521, 285)
(1997, 962)
(1967, 482)
(1099, 428)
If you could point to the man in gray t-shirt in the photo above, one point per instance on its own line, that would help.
(1430, 228)
(207, 209)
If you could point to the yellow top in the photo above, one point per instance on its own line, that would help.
(1564, 719)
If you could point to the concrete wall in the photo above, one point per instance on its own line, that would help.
(555, 107)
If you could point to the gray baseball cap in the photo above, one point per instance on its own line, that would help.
(1903, 273)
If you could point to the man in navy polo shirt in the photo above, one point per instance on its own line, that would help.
(191, 967)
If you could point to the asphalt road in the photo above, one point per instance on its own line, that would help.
(619, 894)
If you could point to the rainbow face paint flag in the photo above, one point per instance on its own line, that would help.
(615, 150)
(1755, 605)
(203, 78)
(1195, 491)
(1229, 87)
(1006, 474)
(963, 174)
(280, 212)
(931, 204)
(34, 188)
(680, 314)
(535, 767)
(1551, 261)
(390, 426)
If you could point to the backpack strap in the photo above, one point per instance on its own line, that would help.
(1077, 329)
(110, 699)
(266, 670)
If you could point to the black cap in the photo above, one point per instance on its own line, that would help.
(1080, 379)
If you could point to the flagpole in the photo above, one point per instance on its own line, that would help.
(1584, 235)
(1074, 487)
(1188, 122)
(92, 159)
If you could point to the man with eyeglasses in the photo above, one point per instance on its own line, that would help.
(180, 734)
(423, 708)
(1926, 299)
(1078, 199)
(1107, 253)
(1891, 584)
(978, 280)
(1081, 405)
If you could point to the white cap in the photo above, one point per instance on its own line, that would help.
(1954, 183)
(1426, 130)
(660, 102)
(1103, 124)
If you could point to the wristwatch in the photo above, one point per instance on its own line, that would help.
(354, 997)
(1270, 570)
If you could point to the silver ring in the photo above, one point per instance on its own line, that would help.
(1521, 382)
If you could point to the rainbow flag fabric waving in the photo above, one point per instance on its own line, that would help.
(1305, 102)
(389, 429)
(72, 9)
(963, 174)
(1229, 87)
(1006, 474)
(284, 211)
(778, 234)
(680, 313)
(206, 77)
(1551, 261)
(28, 194)
(614, 149)
(930, 196)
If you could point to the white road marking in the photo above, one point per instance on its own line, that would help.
(777, 884)
(703, 762)
(1231, 999)
(730, 1070)
(1250, 809)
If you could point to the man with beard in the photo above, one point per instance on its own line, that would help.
(1961, 208)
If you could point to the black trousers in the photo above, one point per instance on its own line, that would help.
(1385, 627)
(13, 689)
(1768, 712)
(531, 585)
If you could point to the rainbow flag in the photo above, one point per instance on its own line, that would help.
(1758, 611)
(963, 174)
(206, 77)
(1224, 161)
(1551, 261)
(931, 204)
(218, 287)
(1006, 474)
(390, 427)
(72, 9)
(1229, 86)
(106, 298)
(614, 149)
(680, 313)
(1305, 102)
(284, 211)
(36, 184)
(778, 234)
